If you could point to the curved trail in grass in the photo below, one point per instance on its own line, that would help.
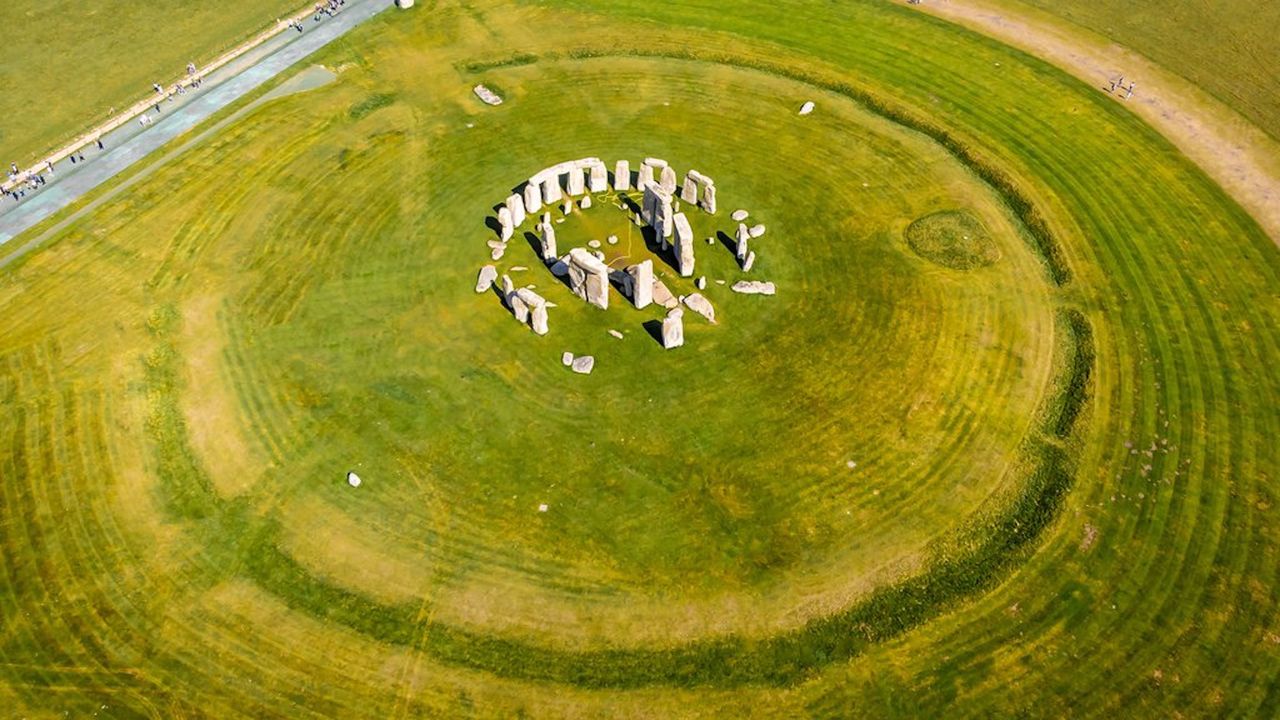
(1243, 159)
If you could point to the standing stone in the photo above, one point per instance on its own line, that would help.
(669, 179)
(708, 203)
(646, 175)
(740, 252)
(622, 176)
(508, 287)
(689, 193)
(551, 193)
(589, 278)
(665, 226)
(585, 203)
(641, 283)
(548, 241)
(599, 178)
(536, 309)
(568, 206)
(576, 182)
(518, 307)
(515, 204)
(532, 197)
(673, 329)
(488, 274)
(504, 220)
(684, 245)
(742, 236)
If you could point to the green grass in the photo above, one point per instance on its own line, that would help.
(69, 64)
(1062, 473)
(953, 239)
(1227, 48)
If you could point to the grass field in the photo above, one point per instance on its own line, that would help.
(67, 63)
(1227, 48)
(911, 484)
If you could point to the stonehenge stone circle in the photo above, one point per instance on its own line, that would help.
(673, 329)
(589, 278)
(622, 175)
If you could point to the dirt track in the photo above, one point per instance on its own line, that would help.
(1234, 152)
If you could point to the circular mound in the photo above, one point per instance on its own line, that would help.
(953, 239)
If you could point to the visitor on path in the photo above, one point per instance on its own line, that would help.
(159, 90)
(100, 144)
(191, 68)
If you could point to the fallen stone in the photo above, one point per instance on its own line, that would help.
(749, 262)
(754, 287)
(584, 365)
(496, 253)
(518, 268)
(711, 241)
(739, 215)
(757, 230)
(486, 95)
(806, 108)
(699, 304)
(593, 243)
(613, 239)
(566, 359)
(662, 295)
(616, 334)
(488, 274)
(353, 479)
(495, 244)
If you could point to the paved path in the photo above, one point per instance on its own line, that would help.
(130, 143)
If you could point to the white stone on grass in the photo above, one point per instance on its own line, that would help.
(701, 282)
(585, 203)
(488, 274)
(699, 304)
(806, 108)
(566, 359)
(673, 329)
(613, 240)
(584, 365)
(749, 262)
(754, 287)
(616, 334)
(593, 243)
(353, 479)
(739, 215)
(757, 230)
